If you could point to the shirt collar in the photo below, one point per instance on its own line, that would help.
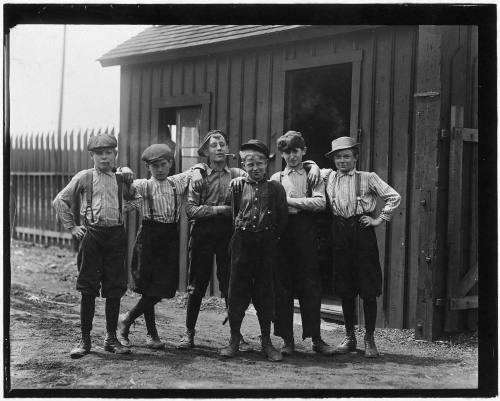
(211, 170)
(351, 173)
(299, 170)
(100, 172)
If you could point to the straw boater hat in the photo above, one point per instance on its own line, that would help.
(343, 142)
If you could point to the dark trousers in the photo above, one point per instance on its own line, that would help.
(101, 262)
(357, 269)
(253, 258)
(209, 237)
(355, 259)
(297, 276)
(155, 260)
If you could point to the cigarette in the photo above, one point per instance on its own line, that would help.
(231, 155)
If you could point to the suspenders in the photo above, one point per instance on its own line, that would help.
(149, 197)
(357, 184)
(88, 188)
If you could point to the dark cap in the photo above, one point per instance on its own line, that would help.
(207, 137)
(255, 144)
(101, 141)
(157, 151)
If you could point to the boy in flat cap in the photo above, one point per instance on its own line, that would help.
(352, 197)
(297, 273)
(91, 208)
(154, 267)
(260, 215)
(209, 210)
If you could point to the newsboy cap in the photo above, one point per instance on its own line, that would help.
(157, 151)
(101, 141)
(255, 144)
(207, 137)
(343, 142)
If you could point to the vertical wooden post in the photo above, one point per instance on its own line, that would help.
(427, 126)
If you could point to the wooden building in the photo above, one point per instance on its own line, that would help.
(405, 92)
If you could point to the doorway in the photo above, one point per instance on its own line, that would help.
(318, 104)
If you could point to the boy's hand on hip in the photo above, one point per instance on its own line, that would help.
(78, 232)
(367, 221)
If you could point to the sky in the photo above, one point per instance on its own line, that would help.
(91, 92)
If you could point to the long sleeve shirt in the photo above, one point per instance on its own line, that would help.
(294, 180)
(104, 210)
(214, 193)
(341, 190)
(166, 204)
(261, 206)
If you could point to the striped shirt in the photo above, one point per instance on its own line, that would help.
(104, 213)
(341, 190)
(294, 180)
(163, 196)
(215, 192)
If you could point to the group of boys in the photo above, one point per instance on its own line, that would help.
(267, 225)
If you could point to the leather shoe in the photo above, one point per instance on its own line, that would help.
(111, 344)
(187, 340)
(288, 348)
(370, 347)
(269, 351)
(154, 342)
(322, 348)
(83, 348)
(232, 348)
(244, 346)
(347, 345)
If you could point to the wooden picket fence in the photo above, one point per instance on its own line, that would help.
(41, 164)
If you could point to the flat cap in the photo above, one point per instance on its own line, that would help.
(157, 151)
(255, 144)
(207, 137)
(101, 141)
(340, 143)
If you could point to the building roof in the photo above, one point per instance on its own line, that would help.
(162, 39)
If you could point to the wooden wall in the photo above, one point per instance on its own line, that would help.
(246, 101)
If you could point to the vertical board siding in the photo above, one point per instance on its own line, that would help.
(246, 102)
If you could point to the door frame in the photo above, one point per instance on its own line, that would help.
(355, 57)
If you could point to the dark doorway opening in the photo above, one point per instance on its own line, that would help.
(318, 104)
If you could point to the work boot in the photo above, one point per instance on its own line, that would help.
(111, 344)
(187, 340)
(289, 347)
(269, 351)
(348, 344)
(244, 346)
(124, 323)
(232, 348)
(370, 347)
(153, 342)
(322, 348)
(83, 347)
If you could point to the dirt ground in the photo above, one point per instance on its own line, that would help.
(44, 326)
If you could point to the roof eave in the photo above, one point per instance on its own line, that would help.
(302, 33)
